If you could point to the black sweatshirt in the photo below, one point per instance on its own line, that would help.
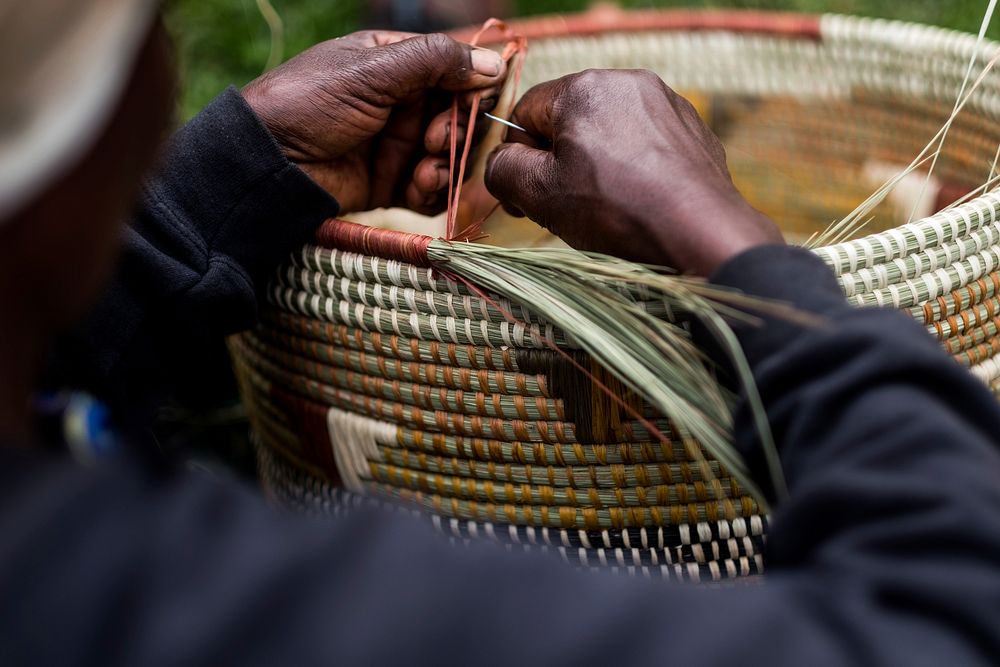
(888, 551)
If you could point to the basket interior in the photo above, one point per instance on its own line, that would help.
(812, 127)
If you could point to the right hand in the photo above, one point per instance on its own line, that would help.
(616, 162)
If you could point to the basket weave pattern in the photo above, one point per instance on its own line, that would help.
(375, 376)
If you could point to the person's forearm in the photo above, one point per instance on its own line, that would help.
(891, 452)
(224, 208)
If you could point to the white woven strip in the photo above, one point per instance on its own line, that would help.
(355, 441)
(931, 285)
(394, 297)
(908, 59)
(988, 371)
(709, 61)
(940, 230)
(952, 254)
(410, 324)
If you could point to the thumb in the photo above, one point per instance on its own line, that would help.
(522, 178)
(432, 61)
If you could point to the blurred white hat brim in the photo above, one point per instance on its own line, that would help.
(63, 68)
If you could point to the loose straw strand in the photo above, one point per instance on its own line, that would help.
(987, 19)
(276, 27)
(515, 46)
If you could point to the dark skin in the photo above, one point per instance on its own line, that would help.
(367, 116)
(614, 161)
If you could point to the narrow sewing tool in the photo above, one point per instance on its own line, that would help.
(504, 122)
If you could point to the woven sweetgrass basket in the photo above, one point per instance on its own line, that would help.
(371, 375)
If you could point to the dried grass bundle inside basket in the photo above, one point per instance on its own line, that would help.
(373, 373)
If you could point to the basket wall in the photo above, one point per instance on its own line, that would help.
(373, 377)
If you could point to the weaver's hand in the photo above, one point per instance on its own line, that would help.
(367, 115)
(617, 162)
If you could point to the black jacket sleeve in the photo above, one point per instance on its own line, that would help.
(224, 208)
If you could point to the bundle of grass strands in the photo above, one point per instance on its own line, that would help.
(547, 397)
(528, 387)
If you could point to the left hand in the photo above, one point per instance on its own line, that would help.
(367, 116)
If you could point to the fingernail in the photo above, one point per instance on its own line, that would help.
(486, 62)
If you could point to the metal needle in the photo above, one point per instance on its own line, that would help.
(504, 122)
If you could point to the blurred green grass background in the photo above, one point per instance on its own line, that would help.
(223, 42)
